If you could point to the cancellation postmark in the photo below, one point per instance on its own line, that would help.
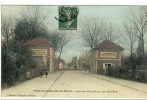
(67, 17)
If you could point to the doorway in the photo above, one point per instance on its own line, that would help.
(106, 66)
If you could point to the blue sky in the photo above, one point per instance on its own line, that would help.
(114, 14)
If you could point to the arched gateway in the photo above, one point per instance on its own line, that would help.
(42, 52)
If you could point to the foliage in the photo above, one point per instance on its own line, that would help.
(8, 66)
(54, 38)
(130, 60)
(16, 57)
(26, 30)
(16, 60)
(119, 72)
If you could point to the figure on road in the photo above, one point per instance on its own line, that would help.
(46, 73)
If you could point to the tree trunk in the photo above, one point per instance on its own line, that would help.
(142, 57)
(59, 57)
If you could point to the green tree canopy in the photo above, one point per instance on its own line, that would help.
(26, 30)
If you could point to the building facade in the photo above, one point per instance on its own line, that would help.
(105, 55)
(42, 52)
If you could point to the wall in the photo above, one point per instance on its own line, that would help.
(44, 62)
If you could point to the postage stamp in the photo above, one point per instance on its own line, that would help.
(68, 17)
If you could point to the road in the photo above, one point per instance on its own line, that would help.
(77, 84)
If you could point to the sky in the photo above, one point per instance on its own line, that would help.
(113, 14)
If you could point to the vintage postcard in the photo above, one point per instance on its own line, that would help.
(84, 52)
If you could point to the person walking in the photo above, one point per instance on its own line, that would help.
(46, 73)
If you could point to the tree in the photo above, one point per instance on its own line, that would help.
(64, 38)
(130, 39)
(55, 39)
(94, 31)
(69, 65)
(31, 24)
(15, 58)
(34, 14)
(111, 32)
(138, 22)
(59, 39)
(7, 29)
(91, 32)
(24, 31)
(8, 68)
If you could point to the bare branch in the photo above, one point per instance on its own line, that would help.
(137, 22)
(91, 32)
(7, 29)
